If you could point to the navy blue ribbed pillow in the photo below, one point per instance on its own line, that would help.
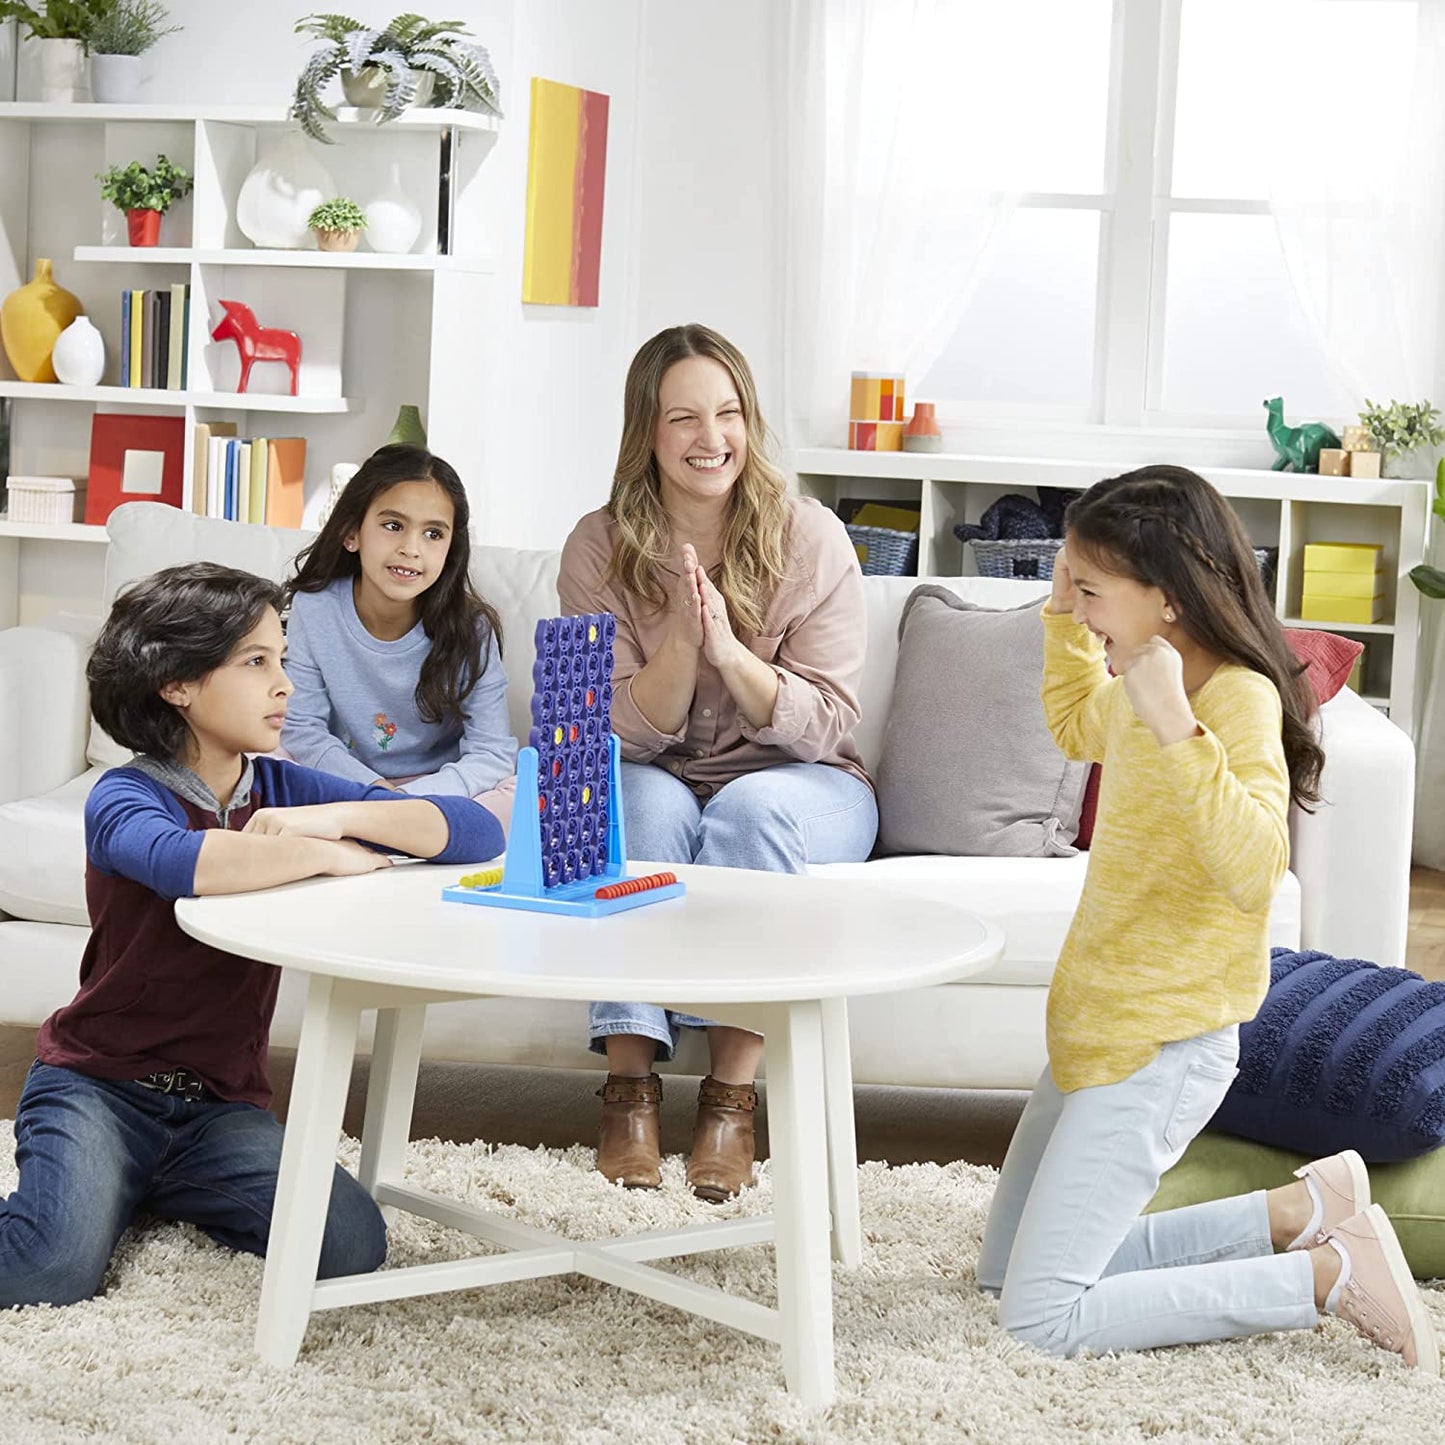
(1343, 1054)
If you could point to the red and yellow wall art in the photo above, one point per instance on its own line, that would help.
(567, 166)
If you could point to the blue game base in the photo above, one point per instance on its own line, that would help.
(576, 899)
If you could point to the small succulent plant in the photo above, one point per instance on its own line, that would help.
(134, 188)
(1403, 426)
(337, 215)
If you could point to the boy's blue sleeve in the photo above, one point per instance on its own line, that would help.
(474, 833)
(135, 828)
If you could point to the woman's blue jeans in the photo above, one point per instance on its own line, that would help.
(94, 1154)
(778, 820)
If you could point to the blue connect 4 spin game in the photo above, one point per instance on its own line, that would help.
(566, 852)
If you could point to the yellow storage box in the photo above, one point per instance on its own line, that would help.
(1343, 584)
(1358, 610)
(1342, 556)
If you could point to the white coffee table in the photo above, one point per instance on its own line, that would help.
(776, 953)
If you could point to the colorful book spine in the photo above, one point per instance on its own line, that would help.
(233, 449)
(125, 338)
(137, 312)
(186, 340)
(161, 342)
(176, 336)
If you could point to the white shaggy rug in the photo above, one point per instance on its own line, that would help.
(165, 1354)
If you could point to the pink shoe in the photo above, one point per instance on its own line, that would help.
(1339, 1187)
(1377, 1294)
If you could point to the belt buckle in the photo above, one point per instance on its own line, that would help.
(187, 1085)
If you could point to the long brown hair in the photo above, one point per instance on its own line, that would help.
(754, 539)
(457, 619)
(1166, 527)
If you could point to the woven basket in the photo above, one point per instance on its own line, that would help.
(1028, 557)
(882, 552)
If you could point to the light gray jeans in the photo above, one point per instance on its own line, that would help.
(1079, 1265)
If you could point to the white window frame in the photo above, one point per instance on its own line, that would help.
(1135, 210)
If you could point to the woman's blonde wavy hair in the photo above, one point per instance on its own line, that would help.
(753, 544)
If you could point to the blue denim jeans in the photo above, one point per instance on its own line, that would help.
(94, 1154)
(778, 820)
(1081, 1267)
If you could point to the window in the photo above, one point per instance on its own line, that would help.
(1141, 280)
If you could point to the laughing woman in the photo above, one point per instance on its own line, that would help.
(740, 634)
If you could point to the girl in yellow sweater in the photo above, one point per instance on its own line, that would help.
(1205, 740)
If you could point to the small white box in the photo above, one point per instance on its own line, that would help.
(45, 499)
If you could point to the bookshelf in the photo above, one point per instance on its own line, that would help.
(1279, 509)
(377, 330)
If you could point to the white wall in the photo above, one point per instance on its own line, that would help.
(709, 219)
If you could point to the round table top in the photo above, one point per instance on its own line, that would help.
(736, 937)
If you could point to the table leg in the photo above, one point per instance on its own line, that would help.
(308, 1154)
(390, 1097)
(796, 1127)
(842, 1138)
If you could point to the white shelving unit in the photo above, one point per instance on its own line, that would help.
(377, 330)
(1279, 509)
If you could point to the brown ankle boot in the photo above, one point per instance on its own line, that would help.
(627, 1145)
(722, 1140)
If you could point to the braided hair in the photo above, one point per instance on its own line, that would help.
(1166, 527)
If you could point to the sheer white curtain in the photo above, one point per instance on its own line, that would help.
(1358, 194)
(893, 193)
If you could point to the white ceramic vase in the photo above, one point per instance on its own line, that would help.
(117, 79)
(282, 190)
(393, 221)
(53, 70)
(1418, 462)
(79, 354)
(341, 473)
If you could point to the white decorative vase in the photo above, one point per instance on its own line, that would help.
(393, 222)
(9, 45)
(117, 79)
(282, 190)
(341, 473)
(53, 71)
(79, 354)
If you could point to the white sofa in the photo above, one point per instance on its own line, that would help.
(1348, 892)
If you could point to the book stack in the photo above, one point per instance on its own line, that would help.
(875, 412)
(1343, 583)
(153, 328)
(248, 479)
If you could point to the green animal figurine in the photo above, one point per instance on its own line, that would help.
(1297, 447)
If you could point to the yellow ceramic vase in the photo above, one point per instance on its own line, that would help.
(31, 321)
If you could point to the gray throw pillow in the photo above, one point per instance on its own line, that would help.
(969, 766)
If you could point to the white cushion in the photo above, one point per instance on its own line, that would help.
(1031, 899)
(42, 853)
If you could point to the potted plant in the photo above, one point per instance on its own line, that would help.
(338, 224)
(144, 195)
(118, 40)
(1406, 433)
(409, 61)
(1431, 580)
(52, 62)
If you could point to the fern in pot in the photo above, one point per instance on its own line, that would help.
(118, 42)
(410, 61)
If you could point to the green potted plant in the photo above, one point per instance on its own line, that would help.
(144, 195)
(118, 41)
(337, 224)
(1406, 433)
(409, 61)
(1431, 580)
(52, 61)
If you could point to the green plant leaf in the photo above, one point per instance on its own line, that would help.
(1430, 580)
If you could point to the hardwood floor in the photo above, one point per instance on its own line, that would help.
(557, 1107)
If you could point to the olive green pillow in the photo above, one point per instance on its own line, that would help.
(1412, 1193)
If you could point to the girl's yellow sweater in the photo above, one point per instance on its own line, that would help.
(1170, 939)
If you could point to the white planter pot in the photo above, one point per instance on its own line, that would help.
(1417, 463)
(9, 43)
(79, 354)
(53, 71)
(393, 221)
(366, 88)
(117, 79)
(282, 190)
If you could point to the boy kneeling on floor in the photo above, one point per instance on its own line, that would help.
(150, 1091)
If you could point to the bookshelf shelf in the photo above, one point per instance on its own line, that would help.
(241, 256)
(208, 400)
(378, 330)
(1278, 509)
(51, 531)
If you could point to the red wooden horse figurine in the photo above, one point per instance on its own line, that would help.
(256, 342)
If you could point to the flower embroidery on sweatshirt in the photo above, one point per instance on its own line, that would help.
(384, 730)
